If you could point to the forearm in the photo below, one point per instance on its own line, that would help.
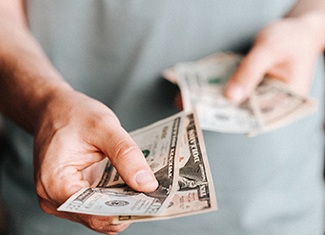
(27, 78)
(312, 12)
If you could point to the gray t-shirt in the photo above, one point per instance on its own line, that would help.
(114, 51)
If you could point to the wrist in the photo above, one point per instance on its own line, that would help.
(314, 22)
(54, 96)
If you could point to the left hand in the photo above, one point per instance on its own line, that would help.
(286, 50)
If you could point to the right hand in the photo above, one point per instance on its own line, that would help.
(73, 134)
(287, 50)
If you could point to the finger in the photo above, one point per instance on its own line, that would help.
(249, 73)
(128, 159)
(56, 181)
(102, 224)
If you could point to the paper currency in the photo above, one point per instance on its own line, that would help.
(195, 190)
(271, 105)
(175, 151)
(276, 106)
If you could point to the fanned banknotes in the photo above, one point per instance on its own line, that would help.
(175, 151)
(270, 106)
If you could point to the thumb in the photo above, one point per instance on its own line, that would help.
(249, 74)
(128, 160)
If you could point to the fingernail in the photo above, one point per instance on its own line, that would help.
(147, 180)
(236, 93)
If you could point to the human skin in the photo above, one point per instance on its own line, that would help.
(286, 50)
(74, 132)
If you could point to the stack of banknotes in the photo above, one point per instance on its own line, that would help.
(175, 151)
(270, 106)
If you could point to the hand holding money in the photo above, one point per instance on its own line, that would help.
(175, 151)
(75, 134)
(174, 147)
(271, 105)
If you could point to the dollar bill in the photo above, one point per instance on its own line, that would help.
(201, 88)
(276, 105)
(174, 149)
(195, 189)
(270, 106)
(111, 196)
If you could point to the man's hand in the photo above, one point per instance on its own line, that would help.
(286, 50)
(74, 134)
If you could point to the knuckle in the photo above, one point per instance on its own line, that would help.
(105, 120)
(43, 204)
(94, 223)
(40, 190)
(104, 225)
(125, 150)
